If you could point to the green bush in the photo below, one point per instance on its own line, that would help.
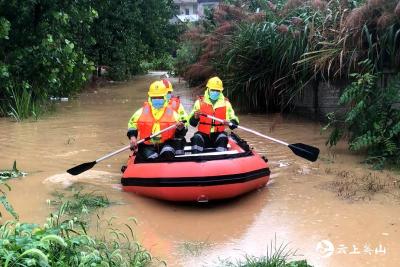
(66, 242)
(49, 48)
(164, 62)
(372, 121)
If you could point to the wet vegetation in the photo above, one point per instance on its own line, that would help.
(349, 185)
(277, 256)
(4, 187)
(62, 241)
(194, 248)
(78, 201)
(268, 52)
(373, 121)
(51, 48)
(13, 173)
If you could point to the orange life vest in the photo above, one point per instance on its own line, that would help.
(175, 102)
(146, 121)
(205, 123)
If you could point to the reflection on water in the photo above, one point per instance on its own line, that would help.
(292, 210)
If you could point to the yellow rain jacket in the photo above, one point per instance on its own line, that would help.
(157, 114)
(221, 102)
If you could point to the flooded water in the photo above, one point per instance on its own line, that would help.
(294, 210)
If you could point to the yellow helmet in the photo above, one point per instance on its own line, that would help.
(168, 85)
(157, 88)
(215, 83)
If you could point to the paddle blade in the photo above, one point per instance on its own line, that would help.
(81, 168)
(305, 151)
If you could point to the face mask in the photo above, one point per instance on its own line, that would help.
(169, 96)
(157, 103)
(214, 95)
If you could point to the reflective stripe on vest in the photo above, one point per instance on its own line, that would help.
(175, 102)
(147, 120)
(205, 123)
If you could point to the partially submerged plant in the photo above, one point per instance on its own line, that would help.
(78, 201)
(65, 242)
(276, 256)
(194, 248)
(5, 175)
(13, 173)
(372, 121)
(4, 201)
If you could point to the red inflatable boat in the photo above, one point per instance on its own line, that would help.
(199, 177)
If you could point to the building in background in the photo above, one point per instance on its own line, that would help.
(204, 5)
(192, 10)
(187, 7)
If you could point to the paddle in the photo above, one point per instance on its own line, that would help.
(302, 150)
(88, 165)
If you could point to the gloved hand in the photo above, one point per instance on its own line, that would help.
(196, 115)
(133, 142)
(180, 125)
(234, 125)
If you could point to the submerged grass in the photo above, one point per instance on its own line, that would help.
(13, 173)
(78, 201)
(193, 248)
(277, 256)
(351, 186)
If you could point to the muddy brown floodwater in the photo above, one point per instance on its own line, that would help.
(295, 209)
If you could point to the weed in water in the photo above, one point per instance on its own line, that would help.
(13, 173)
(78, 201)
(276, 256)
(351, 186)
(193, 248)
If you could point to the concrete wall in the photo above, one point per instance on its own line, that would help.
(319, 99)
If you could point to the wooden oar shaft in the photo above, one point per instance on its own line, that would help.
(138, 142)
(247, 130)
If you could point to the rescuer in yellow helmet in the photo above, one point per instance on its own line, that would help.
(154, 116)
(209, 132)
(174, 101)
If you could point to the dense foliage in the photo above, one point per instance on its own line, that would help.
(372, 121)
(49, 48)
(129, 32)
(267, 58)
(267, 52)
(65, 242)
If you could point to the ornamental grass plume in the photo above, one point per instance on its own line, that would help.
(257, 17)
(293, 4)
(271, 5)
(319, 4)
(356, 19)
(225, 12)
(199, 72)
(194, 34)
(296, 21)
(374, 4)
(226, 19)
(397, 10)
(282, 28)
(296, 34)
(385, 20)
(224, 28)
